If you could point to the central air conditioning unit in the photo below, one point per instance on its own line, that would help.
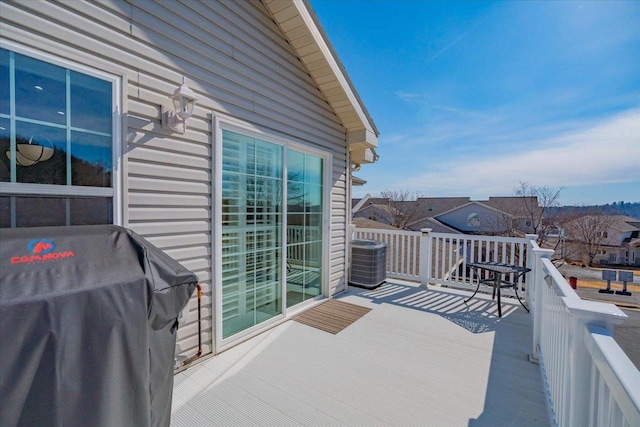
(368, 263)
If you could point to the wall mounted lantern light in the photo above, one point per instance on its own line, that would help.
(184, 100)
(32, 152)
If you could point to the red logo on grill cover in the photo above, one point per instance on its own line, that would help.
(43, 252)
(42, 247)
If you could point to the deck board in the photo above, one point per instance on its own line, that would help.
(419, 357)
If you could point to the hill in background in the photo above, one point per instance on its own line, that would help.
(631, 209)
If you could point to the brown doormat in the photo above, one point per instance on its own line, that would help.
(332, 316)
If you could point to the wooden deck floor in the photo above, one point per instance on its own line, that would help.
(418, 358)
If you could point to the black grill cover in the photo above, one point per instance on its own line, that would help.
(88, 322)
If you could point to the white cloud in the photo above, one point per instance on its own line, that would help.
(605, 152)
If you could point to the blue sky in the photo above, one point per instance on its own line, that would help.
(472, 97)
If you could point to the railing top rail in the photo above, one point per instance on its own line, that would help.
(617, 370)
(482, 238)
(559, 282)
(532, 238)
(577, 305)
(385, 231)
(595, 310)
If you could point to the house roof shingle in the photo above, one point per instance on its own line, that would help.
(369, 223)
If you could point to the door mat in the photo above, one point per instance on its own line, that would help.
(332, 316)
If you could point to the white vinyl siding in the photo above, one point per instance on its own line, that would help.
(236, 59)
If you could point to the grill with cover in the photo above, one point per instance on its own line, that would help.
(88, 322)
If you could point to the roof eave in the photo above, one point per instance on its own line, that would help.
(305, 34)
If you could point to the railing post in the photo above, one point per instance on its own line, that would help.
(352, 232)
(538, 281)
(530, 264)
(424, 262)
(584, 313)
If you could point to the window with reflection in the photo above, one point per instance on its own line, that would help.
(56, 129)
(251, 232)
(304, 226)
(473, 220)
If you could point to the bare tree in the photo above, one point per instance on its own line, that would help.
(587, 232)
(537, 206)
(502, 223)
(403, 207)
(529, 210)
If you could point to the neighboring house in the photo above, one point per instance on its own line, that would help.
(613, 240)
(437, 226)
(498, 215)
(369, 223)
(431, 207)
(475, 218)
(632, 244)
(87, 83)
(374, 209)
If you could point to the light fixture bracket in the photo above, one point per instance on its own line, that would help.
(171, 121)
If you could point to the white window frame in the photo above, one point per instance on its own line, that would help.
(222, 122)
(115, 191)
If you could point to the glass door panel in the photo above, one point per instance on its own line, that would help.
(251, 232)
(304, 227)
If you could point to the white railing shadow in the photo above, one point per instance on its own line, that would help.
(590, 381)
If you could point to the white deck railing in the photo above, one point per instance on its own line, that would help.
(409, 252)
(403, 250)
(590, 380)
(450, 254)
(298, 249)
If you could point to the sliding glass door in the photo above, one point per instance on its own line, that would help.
(304, 227)
(257, 202)
(251, 232)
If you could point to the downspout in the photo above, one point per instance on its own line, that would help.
(199, 353)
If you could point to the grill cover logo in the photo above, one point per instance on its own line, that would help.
(41, 246)
(42, 250)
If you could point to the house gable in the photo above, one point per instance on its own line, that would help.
(306, 36)
(476, 217)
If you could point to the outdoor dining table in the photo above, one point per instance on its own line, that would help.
(498, 273)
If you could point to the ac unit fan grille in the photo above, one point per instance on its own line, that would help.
(368, 263)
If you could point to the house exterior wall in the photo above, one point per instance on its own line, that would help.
(610, 255)
(613, 252)
(237, 61)
(523, 224)
(634, 254)
(489, 220)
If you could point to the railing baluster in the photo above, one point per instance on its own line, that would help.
(445, 254)
(402, 250)
(418, 256)
(435, 272)
(463, 264)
